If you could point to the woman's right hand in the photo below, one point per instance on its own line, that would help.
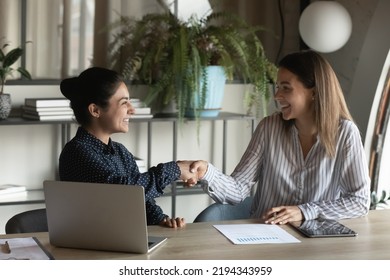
(199, 167)
(192, 171)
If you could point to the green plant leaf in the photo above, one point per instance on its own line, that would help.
(6, 62)
(171, 56)
(24, 73)
(12, 56)
(383, 196)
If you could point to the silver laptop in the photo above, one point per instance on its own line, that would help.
(107, 217)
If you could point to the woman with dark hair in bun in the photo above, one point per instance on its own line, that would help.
(101, 104)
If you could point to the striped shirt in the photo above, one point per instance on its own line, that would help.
(322, 187)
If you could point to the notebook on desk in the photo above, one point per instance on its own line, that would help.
(107, 217)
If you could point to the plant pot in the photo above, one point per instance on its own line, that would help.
(216, 81)
(169, 109)
(5, 105)
(160, 109)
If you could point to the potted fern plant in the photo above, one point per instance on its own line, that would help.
(6, 70)
(175, 58)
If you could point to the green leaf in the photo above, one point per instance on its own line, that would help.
(12, 56)
(173, 54)
(383, 196)
(24, 73)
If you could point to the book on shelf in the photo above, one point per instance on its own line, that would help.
(141, 164)
(142, 111)
(12, 189)
(47, 102)
(47, 111)
(57, 117)
(141, 116)
(8, 197)
(137, 103)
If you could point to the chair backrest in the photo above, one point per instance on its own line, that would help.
(221, 212)
(28, 221)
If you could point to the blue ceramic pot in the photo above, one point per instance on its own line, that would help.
(216, 81)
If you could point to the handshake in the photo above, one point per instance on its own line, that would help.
(192, 171)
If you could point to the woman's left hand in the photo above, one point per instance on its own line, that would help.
(283, 215)
(173, 223)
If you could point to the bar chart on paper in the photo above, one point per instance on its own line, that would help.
(255, 234)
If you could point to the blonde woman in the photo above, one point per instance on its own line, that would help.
(308, 159)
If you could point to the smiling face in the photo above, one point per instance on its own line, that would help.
(294, 100)
(115, 118)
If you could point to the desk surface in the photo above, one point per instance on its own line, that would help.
(202, 241)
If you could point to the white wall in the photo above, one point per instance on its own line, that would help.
(29, 153)
(368, 78)
(368, 84)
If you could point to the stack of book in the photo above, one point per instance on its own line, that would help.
(11, 189)
(45, 109)
(141, 110)
(141, 164)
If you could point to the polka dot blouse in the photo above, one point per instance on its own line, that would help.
(87, 159)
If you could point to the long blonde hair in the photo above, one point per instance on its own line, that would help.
(315, 72)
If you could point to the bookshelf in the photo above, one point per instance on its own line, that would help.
(176, 189)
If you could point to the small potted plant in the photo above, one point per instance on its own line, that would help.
(173, 57)
(380, 201)
(6, 70)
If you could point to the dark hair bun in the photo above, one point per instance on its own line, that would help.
(90, 83)
(70, 87)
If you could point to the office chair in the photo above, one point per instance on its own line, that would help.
(221, 212)
(28, 221)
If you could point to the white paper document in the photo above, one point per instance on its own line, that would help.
(26, 248)
(256, 234)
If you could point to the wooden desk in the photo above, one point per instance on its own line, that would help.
(202, 241)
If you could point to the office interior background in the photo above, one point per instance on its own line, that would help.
(66, 35)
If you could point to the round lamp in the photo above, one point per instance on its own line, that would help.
(325, 26)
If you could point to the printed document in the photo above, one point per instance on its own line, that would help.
(256, 234)
(25, 248)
